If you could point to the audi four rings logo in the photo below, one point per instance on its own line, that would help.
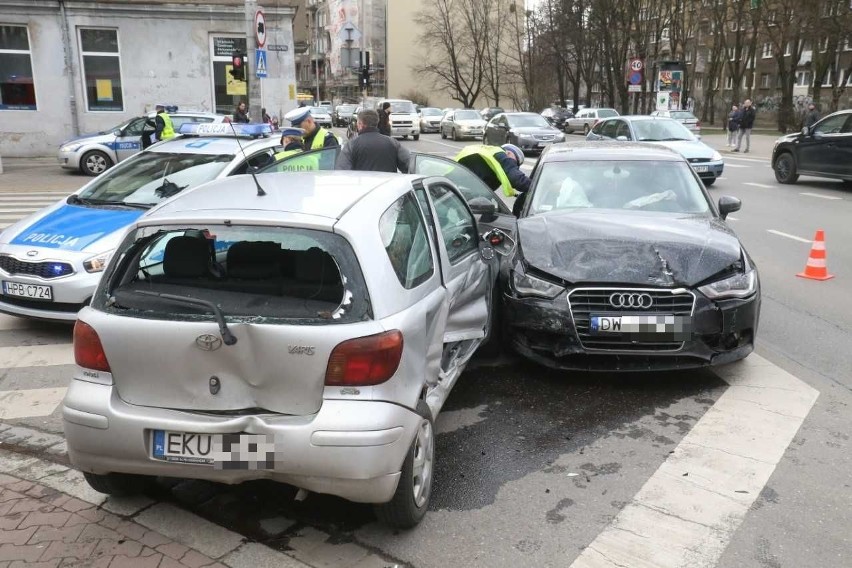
(631, 300)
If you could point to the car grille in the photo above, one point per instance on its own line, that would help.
(401, 123)
(587, 301)
(43, 269)
(698, 160)
(544, 137)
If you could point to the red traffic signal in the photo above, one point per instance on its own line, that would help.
(237, 61)
(238, 71)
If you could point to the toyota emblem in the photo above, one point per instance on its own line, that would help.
(631, 300)
(32, 253)
(208, 342)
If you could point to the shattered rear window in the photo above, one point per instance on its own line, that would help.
(257, 274)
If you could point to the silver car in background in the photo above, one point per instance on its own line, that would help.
(322, 116)
(586, 119)
(463, 123)
(308, 332)
(430, 119)
(685, 117)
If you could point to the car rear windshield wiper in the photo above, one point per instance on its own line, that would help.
(75, 199)
(227, 337)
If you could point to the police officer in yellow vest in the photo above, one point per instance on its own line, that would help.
(498, 167)
(291, 140)
(316, 136)
(163, 124)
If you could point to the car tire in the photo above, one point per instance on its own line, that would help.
(847, 183)
(785, 168)
(443, 134)
(94, 163)
(411, 499)
(585, 129)
(709, 182)
(416, 137)
(405, 137)
(118, 484)
(455, 136)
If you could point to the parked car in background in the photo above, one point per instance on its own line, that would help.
(322, 116)
(527, 130)
(460, 124)
(823, 150)
(625, 263)
(490, 112)
(557, 116)
(684, 117)
(95, 153)
(430, 119)
(343, 114)
(707, 162)
(585, 119)
(334, 279)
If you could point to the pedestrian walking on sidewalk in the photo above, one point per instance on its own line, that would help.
(746, 124)
(733, 126)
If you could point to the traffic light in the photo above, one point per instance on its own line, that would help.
(238, 66)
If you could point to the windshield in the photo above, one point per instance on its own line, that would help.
(606, 113)
(527, 120)
(468, 115)
(658, 130)
(319, 110)
(431, 112)
(345, 108)
(683, 115)
(646, 185)
(150, 177)
(402, 106)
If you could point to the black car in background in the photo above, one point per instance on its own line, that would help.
(823, 150)
(624, 263)
(490, 112)
(557, 116)
(343, 115)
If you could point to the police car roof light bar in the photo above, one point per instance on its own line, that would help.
(256, 130)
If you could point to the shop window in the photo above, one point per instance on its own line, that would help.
(227, 91)
(101, 69)
(17, 89)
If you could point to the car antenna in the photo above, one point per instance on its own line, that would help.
(249, 168)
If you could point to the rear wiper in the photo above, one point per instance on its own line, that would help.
(227, 337)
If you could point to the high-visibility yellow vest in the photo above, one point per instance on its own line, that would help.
(168, 129)
(486, 154)
(307, 163)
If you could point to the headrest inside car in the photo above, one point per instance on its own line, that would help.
(254, 260)
(316, 265)
(186, 257)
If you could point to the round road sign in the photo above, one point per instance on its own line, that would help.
(260, 28)
(635, 78)
(636, 65)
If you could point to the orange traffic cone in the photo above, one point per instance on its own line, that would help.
(816, 268)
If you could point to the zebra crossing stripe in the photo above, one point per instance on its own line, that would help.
(36, 356)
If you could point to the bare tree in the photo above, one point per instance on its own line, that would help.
(786, 29)
(829, 25)
(713, 18)
(741, 34)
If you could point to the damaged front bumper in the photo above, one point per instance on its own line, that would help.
(543, 331)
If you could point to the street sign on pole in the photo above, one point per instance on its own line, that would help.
(260, 28)
(260, 63)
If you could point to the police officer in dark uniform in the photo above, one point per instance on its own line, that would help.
(316, 136)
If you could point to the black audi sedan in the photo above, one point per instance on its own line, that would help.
(823, 150)
(623, 262)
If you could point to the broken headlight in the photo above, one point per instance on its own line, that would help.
(528, 285)
(737, 286)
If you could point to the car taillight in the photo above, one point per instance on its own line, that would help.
(88, 351)
(365, 361)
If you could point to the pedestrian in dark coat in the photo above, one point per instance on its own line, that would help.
(746, 124)
(371, 150)
(812, 117)
(384, 119)
(241, 113)
(733, 126)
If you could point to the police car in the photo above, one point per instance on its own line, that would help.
(51, 261)
(93, 154)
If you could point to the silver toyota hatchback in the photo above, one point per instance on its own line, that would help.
(305, 328)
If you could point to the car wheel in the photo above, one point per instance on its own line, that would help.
(785, 168)
(455, 136)
(586, 129)
(484, 139)
(709, 182)
(847, 183)
(95, 163)
(443, 134)
(416, 137)
(414, 491)
(118, 484)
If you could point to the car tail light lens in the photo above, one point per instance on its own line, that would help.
(365, 361)
(88, 351)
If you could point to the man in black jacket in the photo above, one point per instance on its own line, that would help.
(746, 124)
(384, 119)
(372, 151)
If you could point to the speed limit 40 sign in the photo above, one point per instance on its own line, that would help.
(636, 65)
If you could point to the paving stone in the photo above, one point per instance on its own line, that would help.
(195, 559)
(38, 518)
(20, 536)
(173, 550)
(74, 505)
(9, 495)
(215, 565)
(131, 530)
(254, 555)
(81, 550)
(138, 562)
(40, 491)
(49, 534)
(28, 505)
(20, 486)
(94, 532)
(27, 552)
(108, 547)
(49, 564)
(9, 522)
(146, 551)
(6, 507)
(127, 506)
(110, 521)
(73, 483)
(7, 479)
(189, 529)
(276, 525)
(57, 500)
(99, 562)
(170, 563)
(373, 561)
(76, 519)
(93, 514)
(153, 539)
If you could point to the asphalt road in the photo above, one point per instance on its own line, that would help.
(535, 467)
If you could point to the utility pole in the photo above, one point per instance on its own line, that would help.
(252, 82)
(316, 51)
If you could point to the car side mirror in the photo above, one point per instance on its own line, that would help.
(728, 204)
(484, 207)
(499, 242)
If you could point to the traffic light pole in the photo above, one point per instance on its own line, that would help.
(252, 81)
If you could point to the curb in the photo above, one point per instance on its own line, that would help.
(38, 457)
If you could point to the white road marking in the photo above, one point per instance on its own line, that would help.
(820, 196)
(736, 166)
(30, 402)
(788, 235)
(453, 146)
(56, 195)
(688, 511)
(763, 185)
(36, 356)
(753, 160)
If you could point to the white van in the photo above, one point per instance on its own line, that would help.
(404, 120)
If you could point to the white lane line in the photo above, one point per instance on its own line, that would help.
(453, 146)
(821, 196)
(738, 158)
(788, 235)
(46, 194)
(736, 166)
(36, 356)
(30, 402)
(33, 200)
(763, 185)
(688, 511)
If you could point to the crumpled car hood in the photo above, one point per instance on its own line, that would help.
(637, 248)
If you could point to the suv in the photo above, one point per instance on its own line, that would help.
(93, 154)
(404, 120)
(823, 150)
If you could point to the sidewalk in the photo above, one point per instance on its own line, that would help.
(761, 145)
(38, 174)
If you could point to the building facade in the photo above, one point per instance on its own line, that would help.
(69, 67)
